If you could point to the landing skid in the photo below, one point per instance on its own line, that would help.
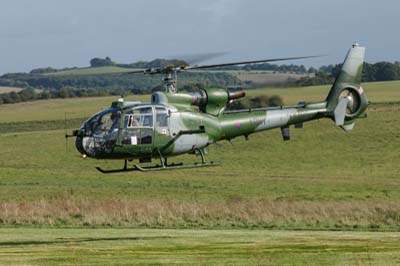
(174, 166)
(156, 167)
(163, 166)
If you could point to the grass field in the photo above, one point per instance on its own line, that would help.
(267, 78)
(195, 247)
(82, 107)
(323, 179)
(91, 71)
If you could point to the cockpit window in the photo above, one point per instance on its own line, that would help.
(161, 117)
(107, 123)
(103, 123)
(138, 126)
(142, 117)
(101, 131)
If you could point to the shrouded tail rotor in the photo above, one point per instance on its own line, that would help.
(346, 100)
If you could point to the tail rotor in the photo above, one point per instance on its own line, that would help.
(346, 100)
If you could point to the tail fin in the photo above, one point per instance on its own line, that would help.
(346, 100)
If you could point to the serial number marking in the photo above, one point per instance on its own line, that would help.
(256, 120)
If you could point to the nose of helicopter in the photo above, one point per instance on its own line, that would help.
(79, 144)
(79, 135)
(85, 143)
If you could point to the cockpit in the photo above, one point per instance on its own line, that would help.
(133, 126)
(103, 123)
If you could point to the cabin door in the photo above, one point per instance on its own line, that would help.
(138, 129)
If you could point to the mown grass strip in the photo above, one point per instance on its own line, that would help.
(28, 246)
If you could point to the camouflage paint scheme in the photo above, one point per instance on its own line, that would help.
(195, 120)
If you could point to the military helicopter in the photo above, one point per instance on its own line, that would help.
(175, 123)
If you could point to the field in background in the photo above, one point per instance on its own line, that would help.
(9, 89)
(323, 179)
(377, 92)
(260, 78)
(83, 107)
(91, 71)
(195, 247)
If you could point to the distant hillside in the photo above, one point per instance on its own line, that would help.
(105, 77)
(263, 78)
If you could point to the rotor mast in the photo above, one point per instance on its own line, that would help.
(169, 82)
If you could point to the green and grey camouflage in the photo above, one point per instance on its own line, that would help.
(177, 123)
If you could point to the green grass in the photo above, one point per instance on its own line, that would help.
(55, 109)
(83, 107)
(376, 92)
(44, 125)
(323, 179)
(367, 155)
(321, 167)
(195, 247)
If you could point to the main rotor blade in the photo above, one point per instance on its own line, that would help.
(251, 62)
(192, 59)
(93, 71)
(136, 71)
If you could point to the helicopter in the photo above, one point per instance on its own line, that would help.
(176, 123)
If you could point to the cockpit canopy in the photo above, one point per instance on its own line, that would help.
(132, 125)
(103, 123)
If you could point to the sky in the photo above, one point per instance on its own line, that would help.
(69, 33)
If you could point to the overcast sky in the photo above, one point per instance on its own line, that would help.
(69, 33)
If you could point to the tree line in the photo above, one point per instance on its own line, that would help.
(37, 86)
(46, 87)
(381, 71)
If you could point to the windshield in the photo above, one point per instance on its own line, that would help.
(103, 123)
(101, 132)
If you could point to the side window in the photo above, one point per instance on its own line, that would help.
(142, 117)
(161, 117)
(138, 126)
(146, 117)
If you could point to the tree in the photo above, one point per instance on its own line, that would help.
(386, 71)
(44, 95)
(27, 94)
(100, 62)
(312, 70)
(15, 97)
(7, 98)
